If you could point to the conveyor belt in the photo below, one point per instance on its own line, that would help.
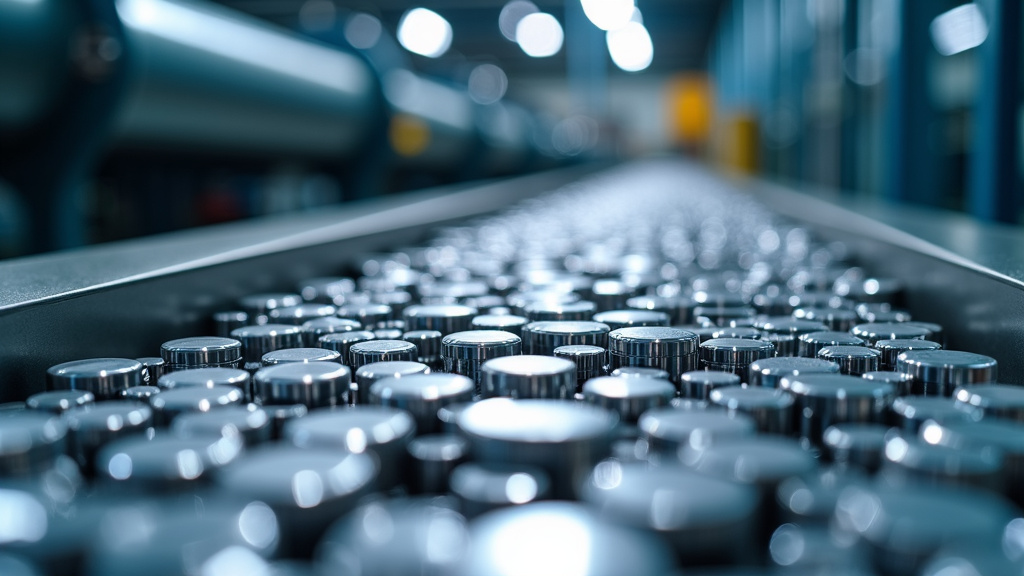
(642, 296)
(91, 302)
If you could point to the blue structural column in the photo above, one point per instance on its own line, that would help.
(586, 60)
(912, 167)
(851, 106)
(994, 186)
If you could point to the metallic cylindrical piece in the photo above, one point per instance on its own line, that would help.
(169, 404)
(368, 374)
(281, 415)
(994, 400)
(676, 308)
(261, 304)
(152, 369)
(448, 416)
(610, 294)
(541, 338)
(936, 332)
(852, 360)
(163, 463)
(422, 395)
(59, 401)
(434, 457)
(564, 438)
(141, 393)
(326, 290)
(428, 346)
(202, 352)
(396, 299)
(258, 340)
(300, 314)
(446, 319)
(1005, 436)
(372, 351)
(616, 319)
(939, 372)
(837, 319)
(725, 315)
(250, 423)
(312, 384)
(92, 426)
(464, 352)
(911, 461)
(300, 355)
(30, 443)
(909, 413)
(891, 350)
(773, 301)
(870, 290)
(900, 381)
(903, 527)
(388, 333)
(106, 378)
(206, 378)
(307, 489)
(826, 399)
(670, 349)
(770, 371)
(763, 462)
(811, 343)
(369, 315)
(707, 520)
(771, 408)
(628, 397)
(639, 372)
(734, 354)
(873, 332)
(857, 445)
(506, 322)
(809, 502)
(484, 486)
(612, 549)
(382, 430)
(401, 536)
(518, 301)
(227, 321)
(318, 327)
(785, 331)
(544, 311)
(528, 376)
(744, 332)
(589, 361)
(342, 342)
(666, 430)
(699, 383)
(881, 312)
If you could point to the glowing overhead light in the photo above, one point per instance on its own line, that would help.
(511, 14)
(539, 35)
(487, 84)
(959, 29)
(630, 47)
(608, 14)
(424, 32)
(362, 30)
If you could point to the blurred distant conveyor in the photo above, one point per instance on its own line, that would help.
(82, 79)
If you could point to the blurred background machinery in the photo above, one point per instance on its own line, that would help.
(123, 118)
